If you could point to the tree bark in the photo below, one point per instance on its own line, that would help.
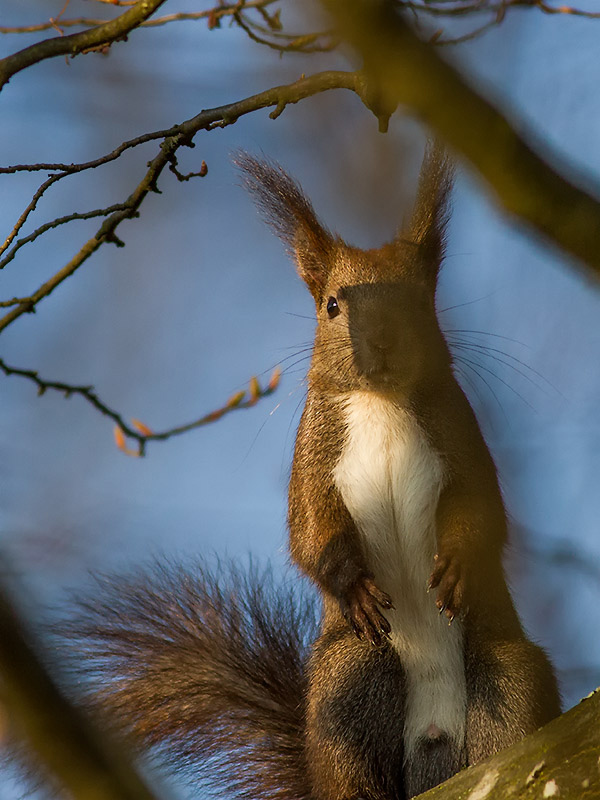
(560, 760)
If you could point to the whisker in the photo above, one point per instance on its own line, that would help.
(498, 378)
(467, 378)
(292, 418)
(486, 333)
(490, 351)
(470, 366)
(281, 361)
(471, 383)
(264, 422)
(299, 344)
(300, 316)
(289, 367)
(468, 303)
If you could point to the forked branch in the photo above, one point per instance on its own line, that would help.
(75, 43)
(404, 69)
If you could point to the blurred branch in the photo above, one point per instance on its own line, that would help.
(138, 431)
(213, 15)
(495, 10)
(319, 42)
(63, 739)
(274, 37)
(271, 34)
(560, 553)
(98, 36)
(461, 8)
(401, 68)
(174, 138)
(589, 676)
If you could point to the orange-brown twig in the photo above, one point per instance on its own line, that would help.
(138, 431)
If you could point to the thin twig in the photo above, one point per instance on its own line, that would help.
(137, 431)
(99, 212)
(18, 301)
(320, 42)
(212, 14)
(33, 203)
(440, 8)
(182, 135)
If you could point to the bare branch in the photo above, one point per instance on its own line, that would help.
(407, 70)
(461, 8)
(138, 431)
(178, 136)
(560, 553)
(106, 232)
(99, 212)
(272, 35)
(319, 42)
(78, 42)
(435, 8)
(17, 301)
(23, 218)
(212, 15)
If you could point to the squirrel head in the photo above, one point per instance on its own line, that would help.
(376, 323)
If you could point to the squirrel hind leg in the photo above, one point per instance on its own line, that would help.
(434, 758)
(355, 720)
(511, 692)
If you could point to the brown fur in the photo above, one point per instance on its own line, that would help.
(388, 325)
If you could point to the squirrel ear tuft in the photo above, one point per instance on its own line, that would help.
(290, 214)
(432, 207)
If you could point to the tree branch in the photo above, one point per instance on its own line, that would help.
(77, 42)
(138, 431)
(176, 137)
(559, 760)
(212, 15)
(98, 212)
(404, 69)
(65, 741)
(275, 36)
(434, 8)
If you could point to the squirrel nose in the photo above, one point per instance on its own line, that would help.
(380, 343)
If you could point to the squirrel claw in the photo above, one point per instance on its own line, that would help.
(447, 578)
(361, 611)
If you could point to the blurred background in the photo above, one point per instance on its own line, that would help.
(203, 297)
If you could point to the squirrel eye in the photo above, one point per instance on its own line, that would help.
(332, 307)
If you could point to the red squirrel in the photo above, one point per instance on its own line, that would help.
(420, 666)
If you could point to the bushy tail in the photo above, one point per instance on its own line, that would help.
(207, 668)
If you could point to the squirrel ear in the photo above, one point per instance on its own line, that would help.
(432, 208)
(291, 215)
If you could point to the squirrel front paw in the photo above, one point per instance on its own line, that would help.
(360, 609)
(448, 578)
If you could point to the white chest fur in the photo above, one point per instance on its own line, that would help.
(390, 479)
